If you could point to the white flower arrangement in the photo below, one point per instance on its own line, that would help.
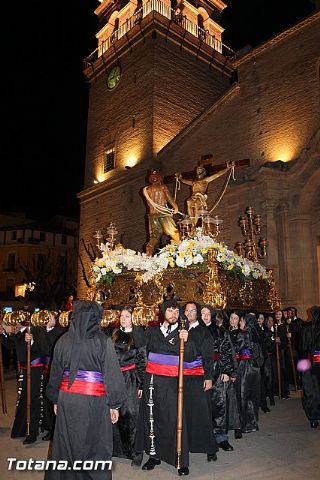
(187, 253)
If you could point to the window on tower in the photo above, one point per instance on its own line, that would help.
(109, 160)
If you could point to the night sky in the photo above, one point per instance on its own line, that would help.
(45, 93)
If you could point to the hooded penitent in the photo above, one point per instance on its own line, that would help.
(85, 320)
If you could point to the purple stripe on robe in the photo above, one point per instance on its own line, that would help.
(173, 360)
(86, 376)
(245, 352)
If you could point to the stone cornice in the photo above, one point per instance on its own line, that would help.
(103, 6)
(216, 25)
(269, 44)
(218, 4)
(195, 123)
(171, 32)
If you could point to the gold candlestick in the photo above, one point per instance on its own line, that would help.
(250, 225)
(211, 226)
(112, 232)
(185, 228)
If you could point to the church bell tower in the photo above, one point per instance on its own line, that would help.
(158, 64)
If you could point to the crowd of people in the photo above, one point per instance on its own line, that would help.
(236, 364)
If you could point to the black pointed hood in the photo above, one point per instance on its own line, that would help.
(85, 319)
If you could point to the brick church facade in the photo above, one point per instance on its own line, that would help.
(165, 91)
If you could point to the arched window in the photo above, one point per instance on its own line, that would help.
(200, 21)
(116, 24)
(114, 35)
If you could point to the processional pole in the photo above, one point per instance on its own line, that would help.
(278, 362)
(28, 378)
(180, 401)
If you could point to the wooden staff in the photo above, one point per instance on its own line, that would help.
(2, 385)
(292, 361)
(28, 379)
(278, 362)
(180, 401)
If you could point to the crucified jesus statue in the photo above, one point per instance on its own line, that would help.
(199, 187)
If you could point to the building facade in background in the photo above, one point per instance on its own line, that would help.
(44, 253)
(165, 91)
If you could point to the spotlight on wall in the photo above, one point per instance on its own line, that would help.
(131, 160)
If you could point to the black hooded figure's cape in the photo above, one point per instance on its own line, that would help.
(50, 339)
(270, 374)
(309, 344)
(225, 412)
(131, 351)
(83, 428)
(248, 375)
(38, 353)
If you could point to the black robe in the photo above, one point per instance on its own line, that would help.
(124, 430)
(248, 383)
(6, 347)
(270, 364)
(309, 344)
(83, 429)
(38, 351)
(197, 402)
(225, 411)
(160, 400)
(263, 389)
(284, 360)
(50, 339)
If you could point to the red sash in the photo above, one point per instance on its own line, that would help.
(128, 367)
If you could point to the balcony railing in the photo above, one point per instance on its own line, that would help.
(166, 11)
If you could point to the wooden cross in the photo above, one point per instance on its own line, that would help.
(211, 169)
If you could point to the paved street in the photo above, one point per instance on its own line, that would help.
(284, 448)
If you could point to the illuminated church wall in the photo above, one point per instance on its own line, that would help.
(272, 115)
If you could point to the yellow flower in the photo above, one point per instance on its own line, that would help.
(99, 262)
(230, 267)
(171, 262)
(204, 251)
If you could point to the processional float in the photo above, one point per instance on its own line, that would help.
(197, 266)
